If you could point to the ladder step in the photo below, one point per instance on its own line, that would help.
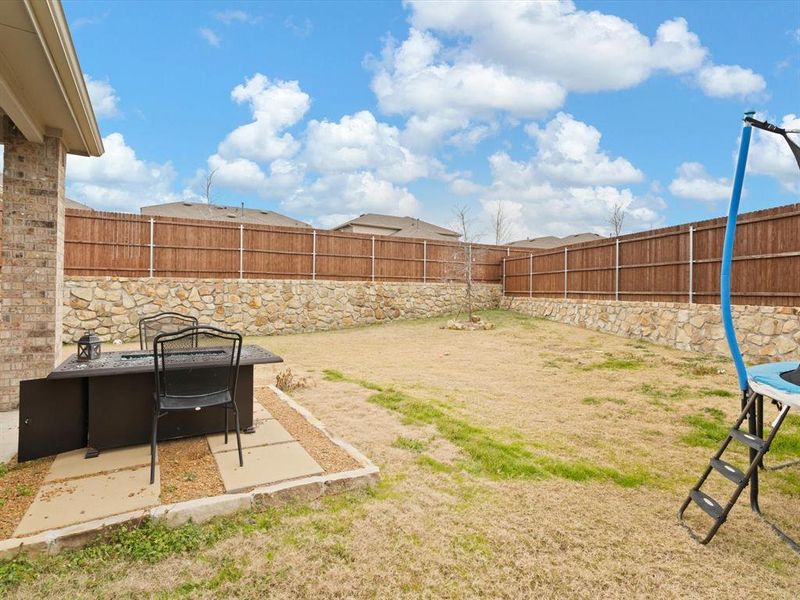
(755, 442)
(728, 470)
(707, 503)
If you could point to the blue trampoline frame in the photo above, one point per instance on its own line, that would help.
(762, 379)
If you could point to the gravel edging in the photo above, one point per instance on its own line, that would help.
(203, 509)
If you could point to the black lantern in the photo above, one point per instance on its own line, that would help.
(89, 346)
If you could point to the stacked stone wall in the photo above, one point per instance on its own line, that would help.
(112, 306)
(766, 333)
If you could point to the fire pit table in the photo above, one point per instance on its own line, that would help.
(108, 402)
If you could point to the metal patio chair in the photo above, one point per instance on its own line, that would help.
(163, 322)
(181, 387)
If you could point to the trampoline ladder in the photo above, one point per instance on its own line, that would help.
(758, 448)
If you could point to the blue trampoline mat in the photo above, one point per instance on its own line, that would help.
(770, 374)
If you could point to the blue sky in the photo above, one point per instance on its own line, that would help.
(553, 112)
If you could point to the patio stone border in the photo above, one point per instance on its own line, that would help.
(203, 509)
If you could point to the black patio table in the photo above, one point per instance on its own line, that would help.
(108, 402)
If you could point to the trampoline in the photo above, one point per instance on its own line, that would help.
(779, 382)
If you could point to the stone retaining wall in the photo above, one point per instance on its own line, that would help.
(112, 306)
(766, 333)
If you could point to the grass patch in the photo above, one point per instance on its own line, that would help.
(653, 391)
(707, 431)
(228, 573)
(710, 428)
(717, 393)
(152, 541)
(473, 543)
(434, 465)
(598, 400)
(487, 454)
(703, 370)
(334, 375)
(410, 444)
(786, 444)
(788, 481)
(616, 364)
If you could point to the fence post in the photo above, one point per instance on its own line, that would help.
(503, 280)
(424, 261)
(152, 228)
(313, 255)
(565, 273)
(616, 272)
(691, 264)
(530, 276)
(373, 258)
(241, 251)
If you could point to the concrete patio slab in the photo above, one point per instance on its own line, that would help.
(73, 464)
(79, 500)
(260, 413)
(9, 434)
(264, 465)
(267, 432)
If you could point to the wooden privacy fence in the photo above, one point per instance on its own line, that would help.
(674, 264)
(101, 243)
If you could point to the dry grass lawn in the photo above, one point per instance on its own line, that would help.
(534, 460)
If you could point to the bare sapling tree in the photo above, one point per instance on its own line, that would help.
(617, 218)
(500, 223)
(464, 224)
(210, 184)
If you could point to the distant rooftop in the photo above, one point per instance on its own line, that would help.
(69, 203)
(217, 212)
(397, 226)
(551, 241)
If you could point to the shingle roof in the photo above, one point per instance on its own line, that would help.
(551, 241)
(70, 203)
(402, 226)
(217, 212)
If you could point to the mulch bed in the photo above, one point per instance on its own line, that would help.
(328, 455)
(188, 470)
(19, 484)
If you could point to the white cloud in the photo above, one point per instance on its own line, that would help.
(210, 36)
(549, 210)
(413, 79)
(581, 50)
(676, 49)
(693, 182)
(119, 180)
(348, 193)
(465, 187)
(275, 106)
(513, 214)
(726, 81)
(569, 152)
(463, 63)
(236, 16)
(770, 155)
(103, 96)
(470, 137)
(568, 185)
(301, 28)
(336, 168)
(360, 142)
